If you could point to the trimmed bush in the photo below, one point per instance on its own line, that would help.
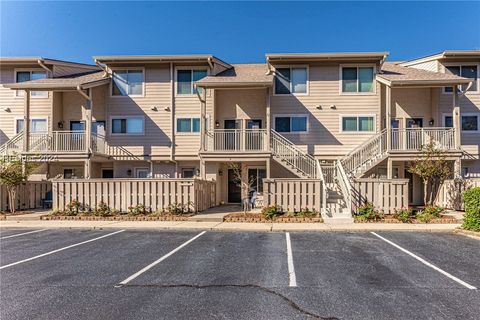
(368, 212)
(471, 219)
(271, 211)
(425, 217)
(433, 210)
(404, 215)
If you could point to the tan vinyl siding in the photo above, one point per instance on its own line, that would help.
(240, 104)
(428, 66)
(157, 138)
(39, 106)
(325, 138)
(413, 103)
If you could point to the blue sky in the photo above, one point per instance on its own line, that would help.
(235, 32)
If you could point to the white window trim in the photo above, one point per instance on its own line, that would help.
(73, 168)
(477, 114)
(187, 117)
(307, 67)
(110, 131)
(31, 118)
(361, 65)
(188, 168)
(341, 116)
(453, 64)
(15, 92)
(137, 169)
(304, 115)
(206, 68)
(112, 70)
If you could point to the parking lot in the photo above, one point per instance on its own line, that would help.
(138, 274)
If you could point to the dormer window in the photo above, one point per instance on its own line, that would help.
(291, 80)
(127, 82)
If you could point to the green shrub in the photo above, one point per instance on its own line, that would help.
(471, 219)
(306, 212)
(73, 208)
(102, 210)
(404, 215)
(433, 210)
(271, 211)
(425, 217)
(178, 208)
(368, 212)
(136, 210)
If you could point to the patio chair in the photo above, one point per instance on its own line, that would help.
(47, 201)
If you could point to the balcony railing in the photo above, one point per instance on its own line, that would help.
(243, 140)
(412, 139)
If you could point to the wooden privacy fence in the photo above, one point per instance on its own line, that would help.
(293, 194)
(450, 193)
(120, 194)
(384, 194)
(29, 195)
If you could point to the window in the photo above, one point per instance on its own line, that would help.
(131, 125)
(127, 83)
(188, 173)
(22, 76)
(107, 173)
(358, 123)
(470, 72)
(256, 176)
(36, 125)
(357, 79)
(141, 173)
(294, 123)
(188, 125)
(186, 80)
(72, 173)
(469, 122)
(290, 80)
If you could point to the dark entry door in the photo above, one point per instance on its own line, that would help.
(414, 137)
(253, 137)
(232, 137)
(396, 140)
(234, 189)
(77, 139)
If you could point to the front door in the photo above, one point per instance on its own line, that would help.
(231, 137)
(77, 140)
(234, 188)
(253, 137)
(414, 137)
(77, 126)
(395, 123)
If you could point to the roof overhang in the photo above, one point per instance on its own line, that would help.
(55, 85)
(422, 83)
(159, 59)
(38, 60)
(233, 85)
(314, 57)
(448, 54)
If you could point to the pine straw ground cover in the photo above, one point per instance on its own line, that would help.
(275, 214)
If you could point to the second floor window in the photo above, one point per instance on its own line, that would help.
(358, 124)
(290, 80)
(186, 125)
(22, 76)
(36, 125)
(294, 124)
(470, 72)
(469, 122)
(127, 83)
(186, 80)
(131, 125)
(357, 79)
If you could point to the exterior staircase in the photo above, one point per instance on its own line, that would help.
(338, 200)
(12, 147)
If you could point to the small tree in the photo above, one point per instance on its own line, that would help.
(12, 174)
(433, 169)
(245, 185)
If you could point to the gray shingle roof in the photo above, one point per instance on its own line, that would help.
(240, 75)
(70, 81)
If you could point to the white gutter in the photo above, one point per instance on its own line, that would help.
(41, 64)
(86, 96)
(103, 67)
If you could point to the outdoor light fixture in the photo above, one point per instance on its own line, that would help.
(7, 109)
(197, 172)
(217, 124)
(129, 172)
(60, 124)
(333, 106)
(167, 109)
(319, 107)
(431, 122)
(220, 173)
(154, 109)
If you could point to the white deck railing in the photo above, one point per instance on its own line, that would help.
(12, 146)
(412, 139)
(344, 184)
(245, 140)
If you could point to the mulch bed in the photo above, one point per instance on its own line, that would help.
(3, 217)
(390, 219)
(126, 217)
(256, 217)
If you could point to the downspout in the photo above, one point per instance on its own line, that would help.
(269, 67)
(463, 92)
(103, 67)
(42, 64)
(80, 90)
(210, 63)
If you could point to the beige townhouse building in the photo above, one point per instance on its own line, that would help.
(308, 116)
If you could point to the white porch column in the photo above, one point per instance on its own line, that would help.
(87, 168)
(26, 120)
(388, 116)
(203, 118)
(88, 122)
(203, 171)
(267, 168)
(389, 169)
(456, 118)
(267, 120)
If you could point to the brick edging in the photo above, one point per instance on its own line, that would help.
(116, 218)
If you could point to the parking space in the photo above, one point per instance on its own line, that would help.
(241, 275)
(9, 232)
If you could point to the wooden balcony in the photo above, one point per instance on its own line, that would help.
(237, 140)
(413, 139)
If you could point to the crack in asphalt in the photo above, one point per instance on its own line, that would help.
(270, 291)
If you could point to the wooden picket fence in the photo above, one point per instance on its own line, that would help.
(384, 194)
(450, 194)
(120, 194)
(293, 194)
(29, 195)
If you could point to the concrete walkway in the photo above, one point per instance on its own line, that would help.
(226, 226)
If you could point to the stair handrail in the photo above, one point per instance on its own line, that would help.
(294, 156)
(324, 188)
(376, 143)
(4, 148)
(345, 184)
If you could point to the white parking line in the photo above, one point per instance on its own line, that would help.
(425, 262)
(133, 276)
(291, 269)
(21, 234)
(61, 249)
